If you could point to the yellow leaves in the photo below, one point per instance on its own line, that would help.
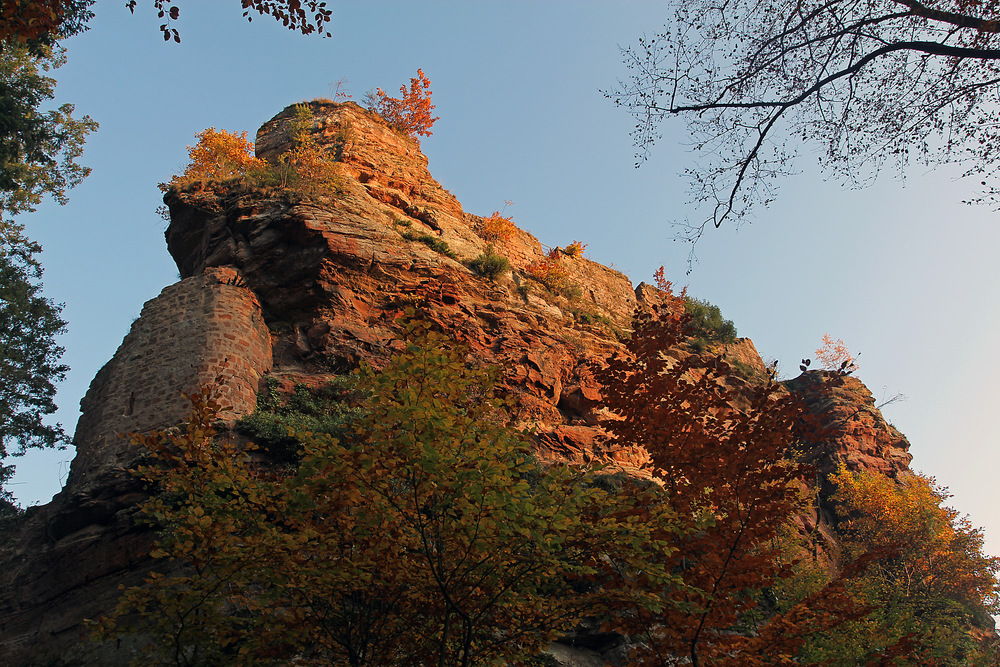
(218, 156)
(575, 249)
(431, 523)
(223, 158)
(498, 228)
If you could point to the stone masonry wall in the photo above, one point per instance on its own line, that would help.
(205, 327)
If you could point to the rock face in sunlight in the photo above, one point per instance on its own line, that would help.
(300, 287)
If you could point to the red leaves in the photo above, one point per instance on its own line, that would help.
(724, 453)
(412, 113)
(26, 20)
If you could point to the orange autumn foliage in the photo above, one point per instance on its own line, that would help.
(575, 249)
(930, 586)
(939, 552)
(545, 271)
(673, 303)
(834, 355)
(498, 227)
(218, 156)
(412, 112)
(26, 20)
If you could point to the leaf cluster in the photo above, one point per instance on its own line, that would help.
(274, 425)
(305, 16)
(497, 227)
(707, 323)
(552, 274)
(931, 589)
(834, 355)
(29, 355)
(39, 22)
(38, 149)
(432, 242)
(218, 156)
(726, 457)
(411, 112)
(221, 159)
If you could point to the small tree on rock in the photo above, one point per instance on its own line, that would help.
(411, 113)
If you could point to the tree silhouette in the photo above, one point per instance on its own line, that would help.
(870, 82)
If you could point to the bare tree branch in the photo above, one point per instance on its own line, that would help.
(868, 80)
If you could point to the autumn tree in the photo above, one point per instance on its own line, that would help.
(833, 355)
(724, 453)
(931, 590)
(41, 21)
(218, 156)
(411, 112)
(428, 535)
(865, 82)
(497, 227)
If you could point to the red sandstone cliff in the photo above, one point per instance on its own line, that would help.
(300, 289)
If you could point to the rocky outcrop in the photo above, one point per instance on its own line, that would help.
(303, 287)
(856, 435)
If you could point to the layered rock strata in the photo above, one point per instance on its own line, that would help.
(301, 288)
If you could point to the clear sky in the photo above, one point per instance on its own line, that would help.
(902, 271)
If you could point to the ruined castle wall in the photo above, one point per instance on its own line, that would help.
(200, 329)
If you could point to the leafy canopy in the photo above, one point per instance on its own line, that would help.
(38, 22)
(218, 156)
(930, 588)
(725, 455)
(29, 355)
(427, 535)
(38, 149)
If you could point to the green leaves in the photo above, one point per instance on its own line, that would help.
(29, 356)
(427, 535)
(38, 149)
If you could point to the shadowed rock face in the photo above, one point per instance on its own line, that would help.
(858, 436)
(275, 284)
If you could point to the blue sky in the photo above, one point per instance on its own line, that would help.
(902, 271)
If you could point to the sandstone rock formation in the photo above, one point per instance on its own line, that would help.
(300, 289)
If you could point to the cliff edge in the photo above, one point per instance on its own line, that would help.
(298, 289)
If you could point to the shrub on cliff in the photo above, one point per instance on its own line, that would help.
(498, 227)
(707, 322)
(550, 272)
(410, 113)
(932, 591)
(274, 424)
(217, 156)
(489, 264)
(706, 325)
(221, 158)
